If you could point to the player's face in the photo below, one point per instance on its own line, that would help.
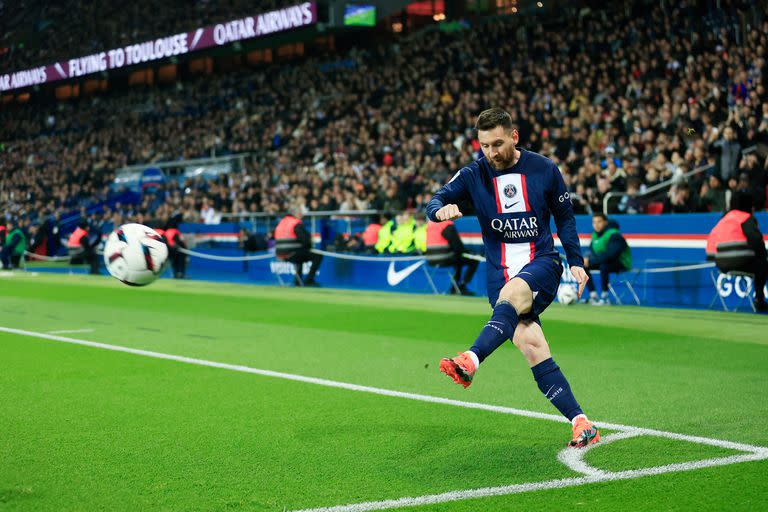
(498, 146)
(598, 223)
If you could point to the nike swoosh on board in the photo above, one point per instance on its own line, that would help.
(395, 277)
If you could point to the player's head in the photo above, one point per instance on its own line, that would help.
(599, 222)
(497, 137)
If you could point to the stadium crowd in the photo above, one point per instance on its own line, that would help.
(40, 32)
(622, 99)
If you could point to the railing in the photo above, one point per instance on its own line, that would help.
(239, 157)
(271, 218)
(651, 190)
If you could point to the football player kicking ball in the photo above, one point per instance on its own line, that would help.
(514, 191)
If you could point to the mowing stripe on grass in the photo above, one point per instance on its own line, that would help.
(388, 392)
(572, 458)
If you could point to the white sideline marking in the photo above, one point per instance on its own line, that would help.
(72, 331)
(572, 460)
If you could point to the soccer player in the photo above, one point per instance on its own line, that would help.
(514, 192)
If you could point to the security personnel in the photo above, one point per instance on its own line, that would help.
(384, 236)
(736, 244)
(175, 242)
(445, 249)
(420, 235)
(293, 243)
(81, 250)
(609, 253)
(14, 246)
(371, 236)
(403, 236)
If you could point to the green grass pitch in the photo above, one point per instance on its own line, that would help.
(83, 428)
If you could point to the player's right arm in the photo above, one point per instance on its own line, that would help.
(443, 205)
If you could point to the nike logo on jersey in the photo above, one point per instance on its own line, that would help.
(507, 206)
(395, 277)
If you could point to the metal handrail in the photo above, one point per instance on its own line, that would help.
(183, 163)
(657, 187)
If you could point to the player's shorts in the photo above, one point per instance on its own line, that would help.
(543, 276)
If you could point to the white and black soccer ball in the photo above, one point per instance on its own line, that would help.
(135, 254)
(567, 294)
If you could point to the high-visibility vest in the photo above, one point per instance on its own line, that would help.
(437, 244)
(76, 238)
(600, 245)
(170, 236)
(371, 234)
(384, 236)
(728, 230)
(22, 245)
(286, 242)
(420, 238)
(402, 238)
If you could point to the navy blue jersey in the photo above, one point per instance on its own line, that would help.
(514, 207)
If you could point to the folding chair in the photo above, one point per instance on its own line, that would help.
(628, 282)
(714, 273)
(435, 266)
(732, 255)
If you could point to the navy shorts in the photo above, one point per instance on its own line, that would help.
(543, 276)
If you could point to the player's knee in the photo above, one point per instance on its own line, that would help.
(518, 294)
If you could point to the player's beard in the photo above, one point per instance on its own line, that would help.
(504, 161)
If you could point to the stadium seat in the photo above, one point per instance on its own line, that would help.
(654, 208)
(435, 267)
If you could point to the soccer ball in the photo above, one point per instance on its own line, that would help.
(135, 254)
(567, 294)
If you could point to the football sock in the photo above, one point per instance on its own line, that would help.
(555, 387)
(499, 329)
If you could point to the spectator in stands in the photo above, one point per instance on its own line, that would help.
(630, 203)
(293, 243)
(736, 244)
(608, 253)
(729, 151)
(678, 199)
(712, 195)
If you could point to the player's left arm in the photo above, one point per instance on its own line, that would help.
(559, 202)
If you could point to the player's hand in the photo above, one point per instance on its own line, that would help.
(581, 278)
(448, 212)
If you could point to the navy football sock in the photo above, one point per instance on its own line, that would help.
(555, 387)
(499, 329)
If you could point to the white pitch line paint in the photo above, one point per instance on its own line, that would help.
(756, 453)
(573, 458)
(504, 490)
(70, 331)
(388, 392)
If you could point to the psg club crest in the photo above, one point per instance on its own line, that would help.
(510, 191)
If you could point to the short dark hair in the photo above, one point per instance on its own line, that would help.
(742, 201)
(493, 117)
(601, 215)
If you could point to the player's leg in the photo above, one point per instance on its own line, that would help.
(515, 298)
(529, 338)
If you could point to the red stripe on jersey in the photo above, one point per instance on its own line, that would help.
(504, 260)
(498, 204)
(525, 193)
(533, 250)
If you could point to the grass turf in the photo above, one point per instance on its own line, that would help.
(88, 429)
